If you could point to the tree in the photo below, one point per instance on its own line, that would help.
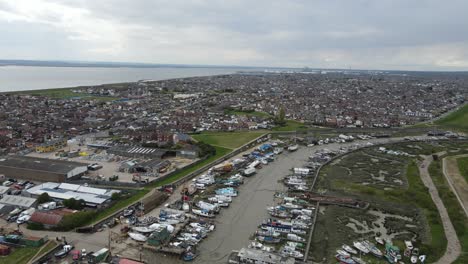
(74, 204)
(116, 196)
(43, 198)
(280, 117)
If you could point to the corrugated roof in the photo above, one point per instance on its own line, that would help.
(40, 164)
(17, 200)
(46, 218)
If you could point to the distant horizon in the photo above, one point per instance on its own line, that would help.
(124, 64)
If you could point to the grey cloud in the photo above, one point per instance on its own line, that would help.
(424, 34)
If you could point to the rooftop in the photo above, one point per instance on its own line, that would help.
(39, 164)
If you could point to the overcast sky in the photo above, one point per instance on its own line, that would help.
(367, 34)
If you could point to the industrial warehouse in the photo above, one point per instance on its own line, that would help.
(94, 197)
(40, 169)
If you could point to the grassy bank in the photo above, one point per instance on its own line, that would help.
(457, 120)
(291, 125)
(463, 167)
(230, 140)
(456, 214)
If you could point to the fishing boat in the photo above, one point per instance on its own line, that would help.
(137, 237)
(414, 259)
(268, 239)
(361, 247)
(270, 233)
(344, 260)
(343, 253)
(203, 213)
(279, 214)
(349, 249)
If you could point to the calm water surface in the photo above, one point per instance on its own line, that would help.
(18, 78)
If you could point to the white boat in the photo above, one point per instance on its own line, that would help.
(422, 258)
(137, 237)
(379, 240)
(361, 247)
(293, 147)
(408, 244)
(414, 259)
(349, 249)
(203, 213)
(343, 253)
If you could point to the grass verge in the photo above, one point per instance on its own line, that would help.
(463, 167)
(230, 140)
(457, 120)
(291, 125)
(455, 212)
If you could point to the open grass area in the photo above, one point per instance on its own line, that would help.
(230, 140)
(455, 212)
(463, 167)
(19, 256)
(457, 120)
(291, 125)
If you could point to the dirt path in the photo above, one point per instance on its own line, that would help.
(453, 244)
(456, 181)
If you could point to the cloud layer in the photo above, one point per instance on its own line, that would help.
(384, 34)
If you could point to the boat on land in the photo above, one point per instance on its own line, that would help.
(137, 237)
(361, 247)
(203, 213)
(270, 233)
(373, 249)
(269, 239)
(344, 260)
(293, 147)
(343, 253)
(379, 240)
(349, 249)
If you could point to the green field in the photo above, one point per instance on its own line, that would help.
(463, 167)
(455, 212)
(230, 140)
(457, 120)
(291, 125)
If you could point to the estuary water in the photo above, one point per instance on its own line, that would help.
(20, 78)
